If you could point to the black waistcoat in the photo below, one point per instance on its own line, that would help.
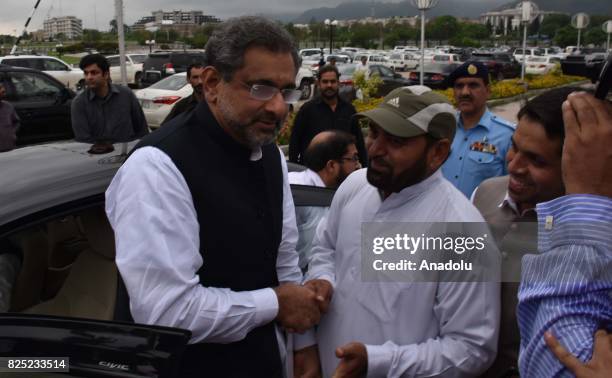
(239, 209)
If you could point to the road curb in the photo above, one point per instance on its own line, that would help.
(530, 94)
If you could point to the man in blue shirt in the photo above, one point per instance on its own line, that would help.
(482, 140)
(566, 289)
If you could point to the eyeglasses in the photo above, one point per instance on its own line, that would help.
(264, 92)
(354, 159)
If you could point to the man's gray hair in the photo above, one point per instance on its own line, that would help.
(229, 41)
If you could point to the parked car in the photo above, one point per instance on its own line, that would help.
(586, 62)
(304, 80)
(133, 66)
(402, 61)
(62, 71)
(158, 99)
(67, 299)
(371, 59)
(42, 103)
(446, 58)
(161, 64)
(519, 54)
(435, 75)
(500, 65)
(541, 65)
(390, 80)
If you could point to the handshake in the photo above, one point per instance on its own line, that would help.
(300, 306)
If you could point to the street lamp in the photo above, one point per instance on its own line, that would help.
(331, 24)
(607, 28)
(423, 5)
(528, 12)
(580, 21)
(150, 43)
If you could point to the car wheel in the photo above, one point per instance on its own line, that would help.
(405, 68)
(500, 76)
(137, 79)
(80, 85)
(306, 90)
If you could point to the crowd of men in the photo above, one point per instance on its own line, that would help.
(216, 249)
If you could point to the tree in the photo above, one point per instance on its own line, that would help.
(565, 36)
(113, 27)
(442, 28)
(552, 23)
(91, 35)
(595, 35)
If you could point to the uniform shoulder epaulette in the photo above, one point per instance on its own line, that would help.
(503, 122)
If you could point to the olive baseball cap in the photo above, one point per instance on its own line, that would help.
(412, 111)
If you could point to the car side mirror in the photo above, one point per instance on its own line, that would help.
(64, 95)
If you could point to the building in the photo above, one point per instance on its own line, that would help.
(509, 19)
(183, 22)
(69, 26)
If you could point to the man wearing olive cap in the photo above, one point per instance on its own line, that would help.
(483, 138)
(430, 328)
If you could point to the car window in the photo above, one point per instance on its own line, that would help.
(25, 63)
(31, 87)
(53, 65)
(113, 61)
(171, 83)
(386, 71)
(441, 58)
(396, 56)
(184, 60)
(137, 59)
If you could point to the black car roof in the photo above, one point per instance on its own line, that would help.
(41, 177)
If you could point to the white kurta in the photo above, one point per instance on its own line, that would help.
(157, 234)
(411, 329)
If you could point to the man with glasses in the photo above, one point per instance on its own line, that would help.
(330, 157)
(203, 214)
(324, 112)
(483, 139)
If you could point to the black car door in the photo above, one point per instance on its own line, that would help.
(43, 105)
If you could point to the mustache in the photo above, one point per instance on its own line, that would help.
(468, 98)
(379, 161)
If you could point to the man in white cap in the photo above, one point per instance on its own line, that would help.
(428, 327)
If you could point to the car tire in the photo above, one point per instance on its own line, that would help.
(80, 85)
(137, 79)
(500, 76)
(306, 89)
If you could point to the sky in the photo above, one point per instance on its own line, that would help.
(97, 14)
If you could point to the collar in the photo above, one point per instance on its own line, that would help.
(112, 88)
(220, 136)
(509, 202)
(319, 100)
(314, 177)
(485, 120)
(416, 189)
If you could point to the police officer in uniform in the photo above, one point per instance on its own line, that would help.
(483, 138)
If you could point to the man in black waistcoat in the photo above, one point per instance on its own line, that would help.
(203, 214)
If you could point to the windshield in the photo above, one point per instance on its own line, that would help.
(137, 59)
(172, 83)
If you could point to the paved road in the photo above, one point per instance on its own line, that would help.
(508, 111)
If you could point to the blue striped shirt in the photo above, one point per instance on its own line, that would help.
(567, 287)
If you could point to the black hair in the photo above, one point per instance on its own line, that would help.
(334, 147)
(191, 66)
(229, 41)
(328, 68)
(546, 110)
(96, 59)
